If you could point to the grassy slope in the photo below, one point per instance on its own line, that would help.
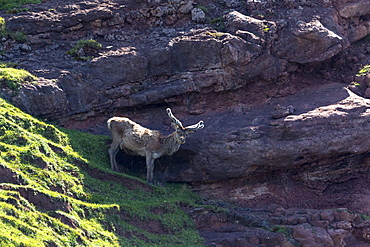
(56, 188)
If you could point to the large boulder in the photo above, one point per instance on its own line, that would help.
(324, 130)
(307, 37)
(44, 97)
(307, 42)
(303, 38)
(354, 9)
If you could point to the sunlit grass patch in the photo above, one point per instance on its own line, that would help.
(13, 78)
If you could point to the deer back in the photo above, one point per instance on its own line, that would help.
(133, 137)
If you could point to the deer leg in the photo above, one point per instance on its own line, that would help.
(113, 150)
(149, 168)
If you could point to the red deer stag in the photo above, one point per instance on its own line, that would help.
(151, 144)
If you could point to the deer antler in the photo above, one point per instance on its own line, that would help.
(174, 119)
(199, 125)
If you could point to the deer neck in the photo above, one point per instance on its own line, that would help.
(170, 144)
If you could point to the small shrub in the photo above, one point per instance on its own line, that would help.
(2, 23)
(218, 24)
(18, 36)
(4, 33)
(281, 229)
(88, 47)
(216, 20)
(365, 217)
(203, 8)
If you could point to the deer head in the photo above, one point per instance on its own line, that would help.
(182, 131)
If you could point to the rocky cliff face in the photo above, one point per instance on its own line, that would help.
(234, 64)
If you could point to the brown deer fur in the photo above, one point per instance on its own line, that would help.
(135, 139)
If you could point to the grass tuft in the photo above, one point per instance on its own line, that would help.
(12, 4)
(83, 47)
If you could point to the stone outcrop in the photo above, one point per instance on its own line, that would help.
(324, 130)
(310, 41)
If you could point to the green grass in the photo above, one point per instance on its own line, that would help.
(56, 188)
(281, 229)
(4, 33)
(11, 4)
(88, 46)
(13, 78)
(17, 10)
(203, 8)
(218, 24)
(364, 71)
